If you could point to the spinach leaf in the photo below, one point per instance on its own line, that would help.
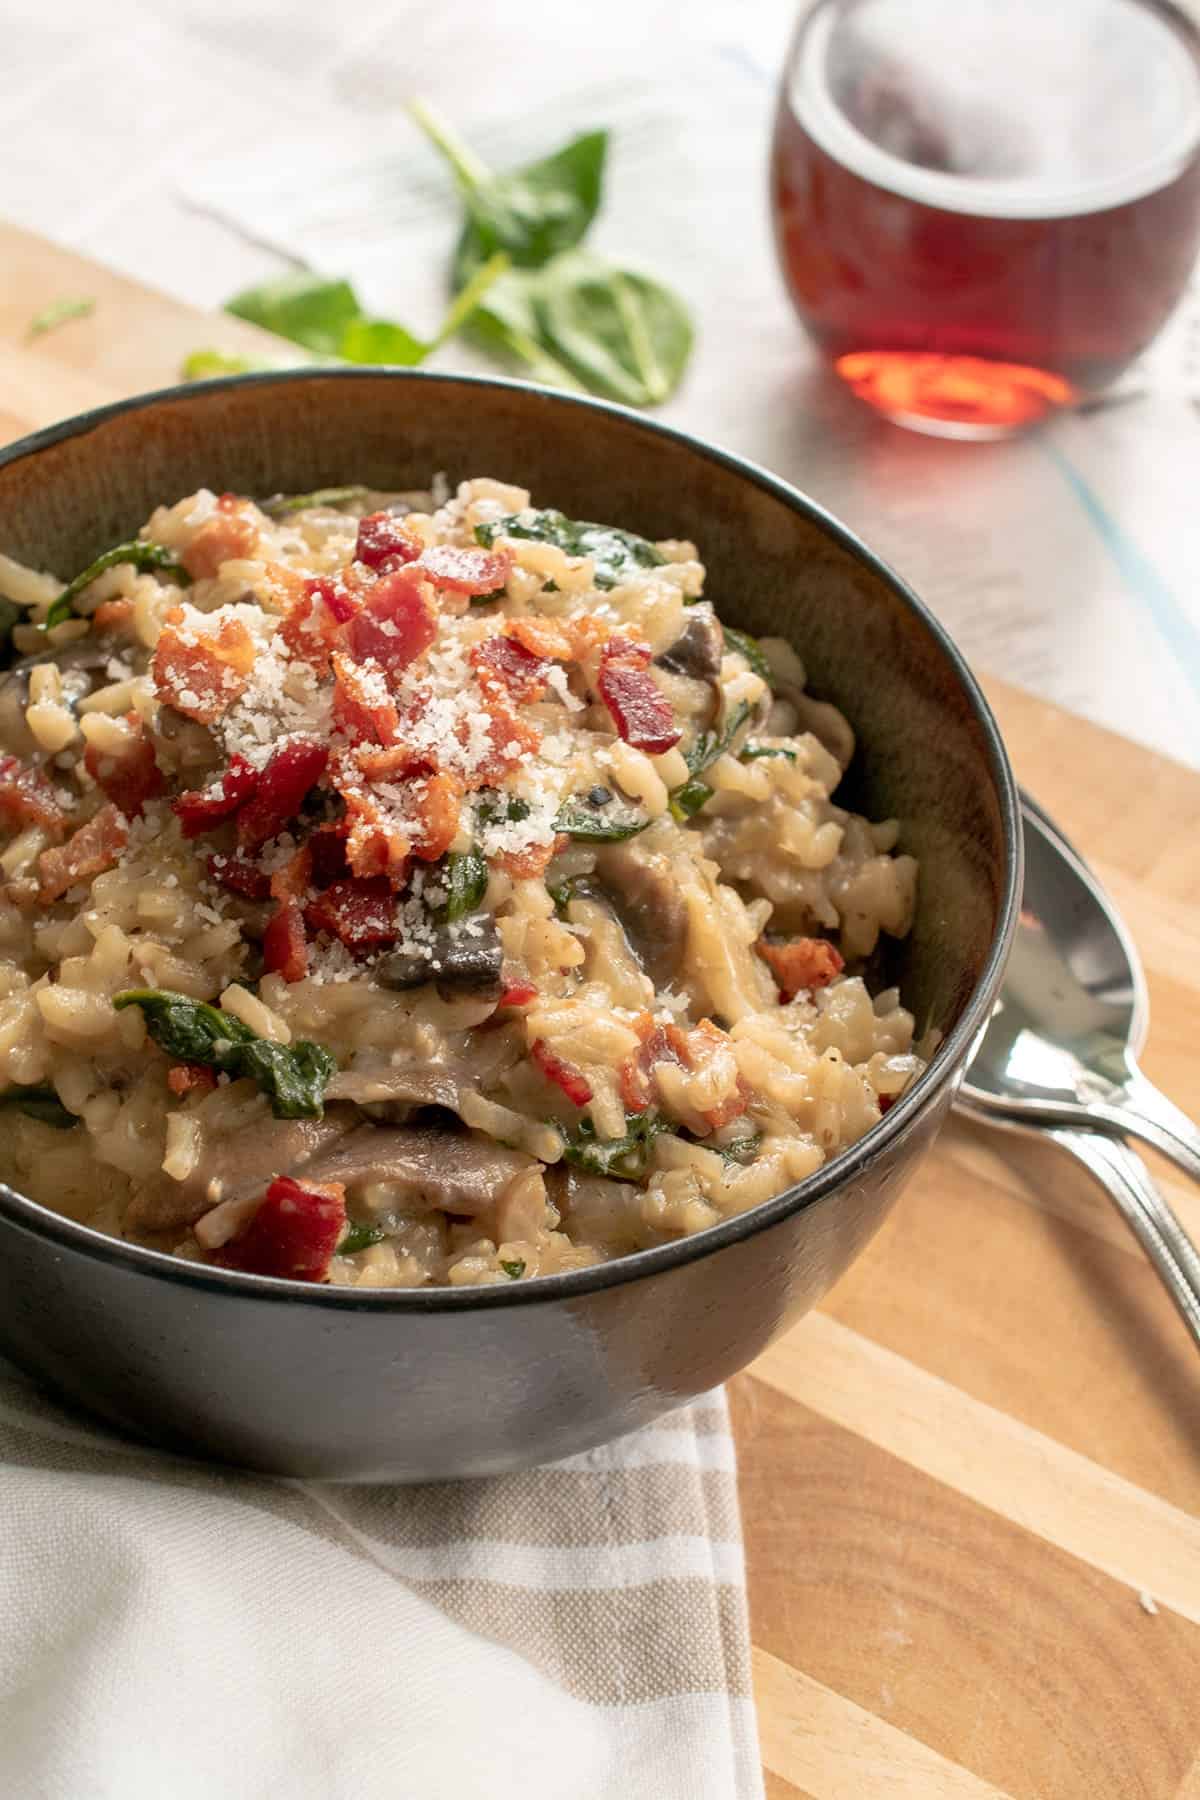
(40, 1103)
(467, 879)
(741, 1153)
(359, 1237)
(280, 505)
(515, 1269)
(292, 1076)
(560, 893)
(623, 334)
(755, 752)
(137, 551)
(591, 825)
(203, 364)
(304, 308)
(60, 312)
(508, 809)
(745, 646)
(617, 555)
(687, 799)
(532, 213)
(626, 1158)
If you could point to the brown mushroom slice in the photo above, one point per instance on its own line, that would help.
(647, 900)
(390, 1091)
(447, 1171)
(698, 650)
(235, 1164)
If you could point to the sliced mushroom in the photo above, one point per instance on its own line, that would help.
(236, 1164)
(392, 1091)
(451, 1171)
(78, 664)
(692, 666)
(463, 962)
(647, 900)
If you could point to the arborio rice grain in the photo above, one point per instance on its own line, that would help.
(404, 890)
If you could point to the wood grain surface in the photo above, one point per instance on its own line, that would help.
(971, 1481)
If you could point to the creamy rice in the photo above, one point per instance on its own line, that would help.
(443, 857)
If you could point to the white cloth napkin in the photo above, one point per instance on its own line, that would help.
(170, 1629)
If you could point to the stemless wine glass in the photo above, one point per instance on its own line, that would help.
(984, 209)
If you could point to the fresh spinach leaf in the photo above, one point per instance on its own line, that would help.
(142, 555)
(203, 365)
(292, 1076)
(532, 213)
(40, 1103)
(466, 880)
(280, 505)
(747, 647)
(61, 312)
(617, 555)
(515, 1269)
(304, 308)
(359, 1237)
(756, 752)
(591, 825)
(623, 334)
(627, 1158)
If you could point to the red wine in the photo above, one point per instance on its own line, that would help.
(984, 211)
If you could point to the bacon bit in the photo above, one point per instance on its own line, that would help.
(564, 1075)
(111, 613)
(886, 1101)
(292, 772)
(467, 571)
(384, 543)
(512, 739)
(588, 636)
(240, 877)
(519, 991)
(131, 778)
(191, 1078)
(294, 878)
(640, 710)
(541, 637)
(628, 650)
(313, 626)
(230, 532)
(361, 914)
(27, 798)
(284, 946)
(437, 803)
(94, 848)
(396, 760)
(202, 676)
(328, 846)
(702, 1043)
(357, 709)
(802, 963)
(397, 622)
(527, 864)
(504, 662)
(293, 1234)
(201, 810)
(373, 845)
(659, 1044)
(285, 588)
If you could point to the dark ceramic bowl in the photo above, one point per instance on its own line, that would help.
(410, 1385)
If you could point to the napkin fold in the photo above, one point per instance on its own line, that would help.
(169, 1628)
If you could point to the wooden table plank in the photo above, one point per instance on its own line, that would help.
(959, 1475)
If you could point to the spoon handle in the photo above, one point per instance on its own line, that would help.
(1147, 1113)
(1130, 1187)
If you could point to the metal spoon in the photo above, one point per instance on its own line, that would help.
(1056, 1059)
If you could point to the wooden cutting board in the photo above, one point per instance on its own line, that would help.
(971, 1481)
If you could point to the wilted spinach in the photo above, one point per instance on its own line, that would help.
(591, 825)
(292, 1076)
(137, 551)
(745, 646)
(466, 882)
(359, 1237)
(627, 1157)
(687, 800)
(280, 505)
(617, 555)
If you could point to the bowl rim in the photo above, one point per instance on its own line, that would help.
(36, 1220)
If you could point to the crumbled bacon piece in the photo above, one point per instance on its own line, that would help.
(397, 622)
(130, 778)
(886, 1101)
(240, 877)
(292, 879)
(328, 847)
(542, 637)
(94, 848)
(564, 1075)
(436, 805)
(293, 1234)
(230, 532)
(284, 945)
(202, 675)
(393, 761)
(191, 1078)
(504, 660)
(374, 845)
(801, 963)
(640, 710)
(660, 1043)
(512, 739)
(362, 706)
(313, 626)
(525, 865)
(360, 914)
(27, 798)
(202, 809)
(704, 1043)
(385, 543)
(467, 571)
(110, 614)
(518, 991)
(292, 772)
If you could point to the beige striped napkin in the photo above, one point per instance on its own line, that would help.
(166, 1629)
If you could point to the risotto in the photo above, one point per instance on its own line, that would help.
(404, 890)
